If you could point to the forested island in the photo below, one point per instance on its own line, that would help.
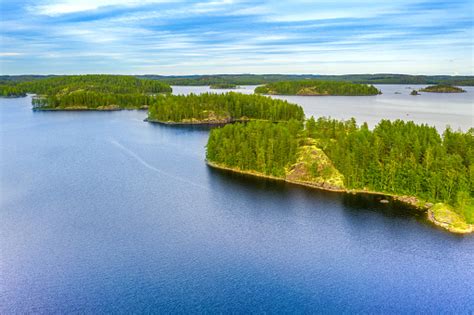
(411, 163)
(88, 92)
(442, 88)
(317, 88)
(211, 108)
(223, 86)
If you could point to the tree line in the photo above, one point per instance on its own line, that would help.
(256, 79)
(260, 146)
(232, 106)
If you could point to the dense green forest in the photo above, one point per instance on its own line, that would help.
(257, 79)
(397, 157)
(317, 87)
(93, 100)
(223, 86)
(9, 90)
(88, 91)
(210, 107)
(442, 88)
(117, 84)
(260, 146)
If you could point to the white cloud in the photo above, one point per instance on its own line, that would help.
(75, 6)
(10, 54)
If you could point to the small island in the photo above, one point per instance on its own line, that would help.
(223, 86)
(396, 160)
(317, 88)
(442, 88)
(414, 92)
(218, 109)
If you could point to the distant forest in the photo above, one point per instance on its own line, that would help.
(317, 87)
(89, 91)
(257, 79)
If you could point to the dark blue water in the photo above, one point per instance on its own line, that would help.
(102, 212)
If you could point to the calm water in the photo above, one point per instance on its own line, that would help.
(104, 213)
(439, 110)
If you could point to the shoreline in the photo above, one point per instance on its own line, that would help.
(449, 227)
(407, 200)
(190, 123)
(204, 122)
(83, 109)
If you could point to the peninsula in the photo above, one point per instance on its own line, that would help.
(317, 88)
(399, 160)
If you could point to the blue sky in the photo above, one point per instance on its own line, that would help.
(236, 36)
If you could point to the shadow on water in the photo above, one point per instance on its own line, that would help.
(187, 127)
(355, 206)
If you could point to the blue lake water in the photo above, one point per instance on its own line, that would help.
(101, 212)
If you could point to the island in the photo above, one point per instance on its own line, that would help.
(317, 88)
(396, 160)
(217, 109)
(442, 88)
(89, 92)
(414, 92)
(223, 86)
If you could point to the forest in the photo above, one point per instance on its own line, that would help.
(81, 99)
(9, 90)
(88, 91)
(317, 87)
(257, 79)
(398, 157)
(259, 146)
(228, 107)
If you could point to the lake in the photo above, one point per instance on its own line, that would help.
(101, 212)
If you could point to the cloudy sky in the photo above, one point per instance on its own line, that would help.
(236, 36)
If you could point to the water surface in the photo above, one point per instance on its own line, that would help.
(101, 212)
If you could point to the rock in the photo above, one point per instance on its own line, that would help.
(384, 201)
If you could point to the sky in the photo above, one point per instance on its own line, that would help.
(177, 37)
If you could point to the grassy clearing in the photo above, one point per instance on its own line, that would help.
(314, 167)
